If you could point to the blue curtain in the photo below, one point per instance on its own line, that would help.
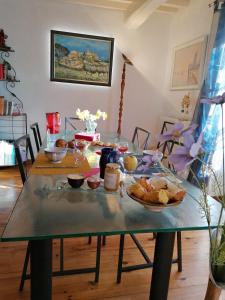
(208, 117)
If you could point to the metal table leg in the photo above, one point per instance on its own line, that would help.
(162, 265)
(41, 269)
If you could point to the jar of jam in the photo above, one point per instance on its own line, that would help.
(112, 177)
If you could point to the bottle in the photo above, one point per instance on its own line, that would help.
(112, 177)
(108, 155)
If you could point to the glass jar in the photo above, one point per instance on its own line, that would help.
(112, 177)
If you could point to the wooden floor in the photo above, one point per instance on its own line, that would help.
(188, 285)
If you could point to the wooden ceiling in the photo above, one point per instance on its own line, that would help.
(137, 11)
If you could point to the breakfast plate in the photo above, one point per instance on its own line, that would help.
(101, 144)
(156, 193)
(155, 207)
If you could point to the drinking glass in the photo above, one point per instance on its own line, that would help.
(122, 147)
(78, 157)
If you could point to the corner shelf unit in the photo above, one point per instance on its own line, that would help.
(11, 126)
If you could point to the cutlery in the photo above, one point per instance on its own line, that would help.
(56, 167)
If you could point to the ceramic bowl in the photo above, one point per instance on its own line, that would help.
(93, 182)
(156, 154)
(55, 154)
(75, 180)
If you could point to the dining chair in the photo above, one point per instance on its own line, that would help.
(37, 136)
(166, 126)
(71, 122)
(141, 138)
(21, 144)
(166, 148)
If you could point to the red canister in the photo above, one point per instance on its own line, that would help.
(53, 122)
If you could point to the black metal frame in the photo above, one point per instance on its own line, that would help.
(40, 269)
(166, 146)
(149, 263)
(61, 272)
(136, 137)
(163, 257)
(16, 144)
(37, 136)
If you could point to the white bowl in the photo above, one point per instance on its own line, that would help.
(55, 154)
(156, 154)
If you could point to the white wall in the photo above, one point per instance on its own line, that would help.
(192, 22)
(28, 24)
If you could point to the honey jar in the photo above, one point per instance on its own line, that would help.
(112, 177)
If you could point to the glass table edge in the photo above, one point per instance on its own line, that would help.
(111, 233)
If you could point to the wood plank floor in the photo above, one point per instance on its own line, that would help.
(188, 285)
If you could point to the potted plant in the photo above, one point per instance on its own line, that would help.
(189, 154)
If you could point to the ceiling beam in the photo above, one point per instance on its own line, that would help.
(166, 10)
(177, 3)
(109, 4)
(142, 12)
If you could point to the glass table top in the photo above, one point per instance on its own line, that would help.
(43, 210)
(48, 208)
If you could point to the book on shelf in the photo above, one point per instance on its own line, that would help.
(10, 107)
(2, 104)
(5, 113)
(6, 107)
(1, 71)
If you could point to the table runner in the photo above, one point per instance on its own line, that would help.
(42, 166)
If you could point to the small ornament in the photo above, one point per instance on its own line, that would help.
(3, 37)
(185, 104)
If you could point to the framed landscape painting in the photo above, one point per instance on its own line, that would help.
(188, 65)
(81, 58)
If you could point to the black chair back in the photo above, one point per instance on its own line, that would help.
(141, 138)
(165, 127)
(24, 142)
(70, 123)
(168, 146)
(37, 136)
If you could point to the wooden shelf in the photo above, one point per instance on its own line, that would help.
(6, 49)
(10, 80)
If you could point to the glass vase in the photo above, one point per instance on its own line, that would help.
(217, 266)
(90, 126)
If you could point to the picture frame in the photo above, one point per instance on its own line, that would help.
(188, 65)
(81, 58)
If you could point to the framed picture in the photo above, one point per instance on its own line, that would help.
(81, 58)
(188, 65)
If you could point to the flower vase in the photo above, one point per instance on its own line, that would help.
(90, 126)
(217, 263)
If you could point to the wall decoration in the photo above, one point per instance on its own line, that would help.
(188, 65)
(81, 58)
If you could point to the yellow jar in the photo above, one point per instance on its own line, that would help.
(112, 177)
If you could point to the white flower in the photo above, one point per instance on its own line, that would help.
(85, 115)
(104, 116)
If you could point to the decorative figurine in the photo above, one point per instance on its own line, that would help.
(185, 104)
(3, 37)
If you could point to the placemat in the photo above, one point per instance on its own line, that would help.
(42, 166)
